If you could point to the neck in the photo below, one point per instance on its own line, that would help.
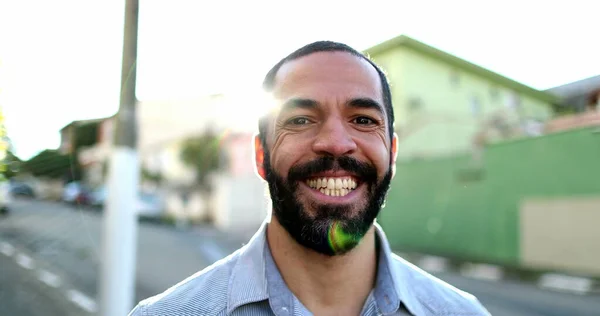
(325, 285)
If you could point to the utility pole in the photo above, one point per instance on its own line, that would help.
(117, 285)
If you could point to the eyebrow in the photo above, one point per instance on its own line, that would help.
(363, 103)
(299, 103)
(366, 103)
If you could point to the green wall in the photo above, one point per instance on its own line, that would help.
(445, 207)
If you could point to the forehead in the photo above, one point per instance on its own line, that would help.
(325, 75)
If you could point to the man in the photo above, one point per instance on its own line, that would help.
(327, 153)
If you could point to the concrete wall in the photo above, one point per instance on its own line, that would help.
(47, 189)
(242, 203)
(561, 233)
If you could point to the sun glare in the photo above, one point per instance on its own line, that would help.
(241, 109)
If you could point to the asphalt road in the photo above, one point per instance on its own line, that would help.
(65, 240)
(22, 293)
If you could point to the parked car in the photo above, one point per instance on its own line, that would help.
(76, 193)
(5, 198)
(147, 205)
(21, 189)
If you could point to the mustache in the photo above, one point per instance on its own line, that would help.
(363, 170)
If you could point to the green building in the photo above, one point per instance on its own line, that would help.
(444, 105)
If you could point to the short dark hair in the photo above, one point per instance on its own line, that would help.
(325, 46)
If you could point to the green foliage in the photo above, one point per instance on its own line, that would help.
(52, 164)
(148, 175)
(202, 153)
(11, 165)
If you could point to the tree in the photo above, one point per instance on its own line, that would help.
(52, 164)
(11, 164)
(4, 146)
(204, 155)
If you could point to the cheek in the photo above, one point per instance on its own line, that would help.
(285, 154)
(378, 154)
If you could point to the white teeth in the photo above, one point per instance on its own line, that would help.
(331, 184)
(338, 183)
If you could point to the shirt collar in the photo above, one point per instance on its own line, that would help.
(399, 275)
(248, 281)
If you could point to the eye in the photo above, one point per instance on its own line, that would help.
(363, 120)
(299, 121)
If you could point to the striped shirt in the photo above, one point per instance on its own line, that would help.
(248, 283)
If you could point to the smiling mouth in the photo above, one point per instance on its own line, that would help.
(333, 186)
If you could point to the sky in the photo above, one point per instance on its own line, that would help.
(60, 60)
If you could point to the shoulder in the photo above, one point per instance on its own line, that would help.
(203, 293)
(434, 296)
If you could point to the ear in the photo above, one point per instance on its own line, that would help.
(259, 157)
(394, 153)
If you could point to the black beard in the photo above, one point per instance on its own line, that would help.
(313, 231)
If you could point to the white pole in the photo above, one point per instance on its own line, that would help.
(117, 284)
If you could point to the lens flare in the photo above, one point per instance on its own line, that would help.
(339, 240)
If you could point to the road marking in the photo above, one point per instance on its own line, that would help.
(24, 261)
(482, 271)
(82, 300)
(565, 283)
(433, 264)
(49, 278)
(7, 249)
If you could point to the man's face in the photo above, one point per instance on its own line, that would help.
(329, 155)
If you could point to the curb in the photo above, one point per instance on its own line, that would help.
(546, 280)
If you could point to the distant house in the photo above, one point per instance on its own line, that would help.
(444, 105)
(78, 134)
(89, 141)
(580, 100)
(163, 127)
(579, 96)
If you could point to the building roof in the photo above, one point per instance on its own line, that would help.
(405, 41)
(83, 122)
(578, 88)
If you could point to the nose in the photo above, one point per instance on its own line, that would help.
(333, 139)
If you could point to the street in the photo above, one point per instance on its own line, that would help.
(49, 263)
(21, 293)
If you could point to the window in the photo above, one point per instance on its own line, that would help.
(454, 79)
(494, 94)
(476, 106)
(513, 101)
